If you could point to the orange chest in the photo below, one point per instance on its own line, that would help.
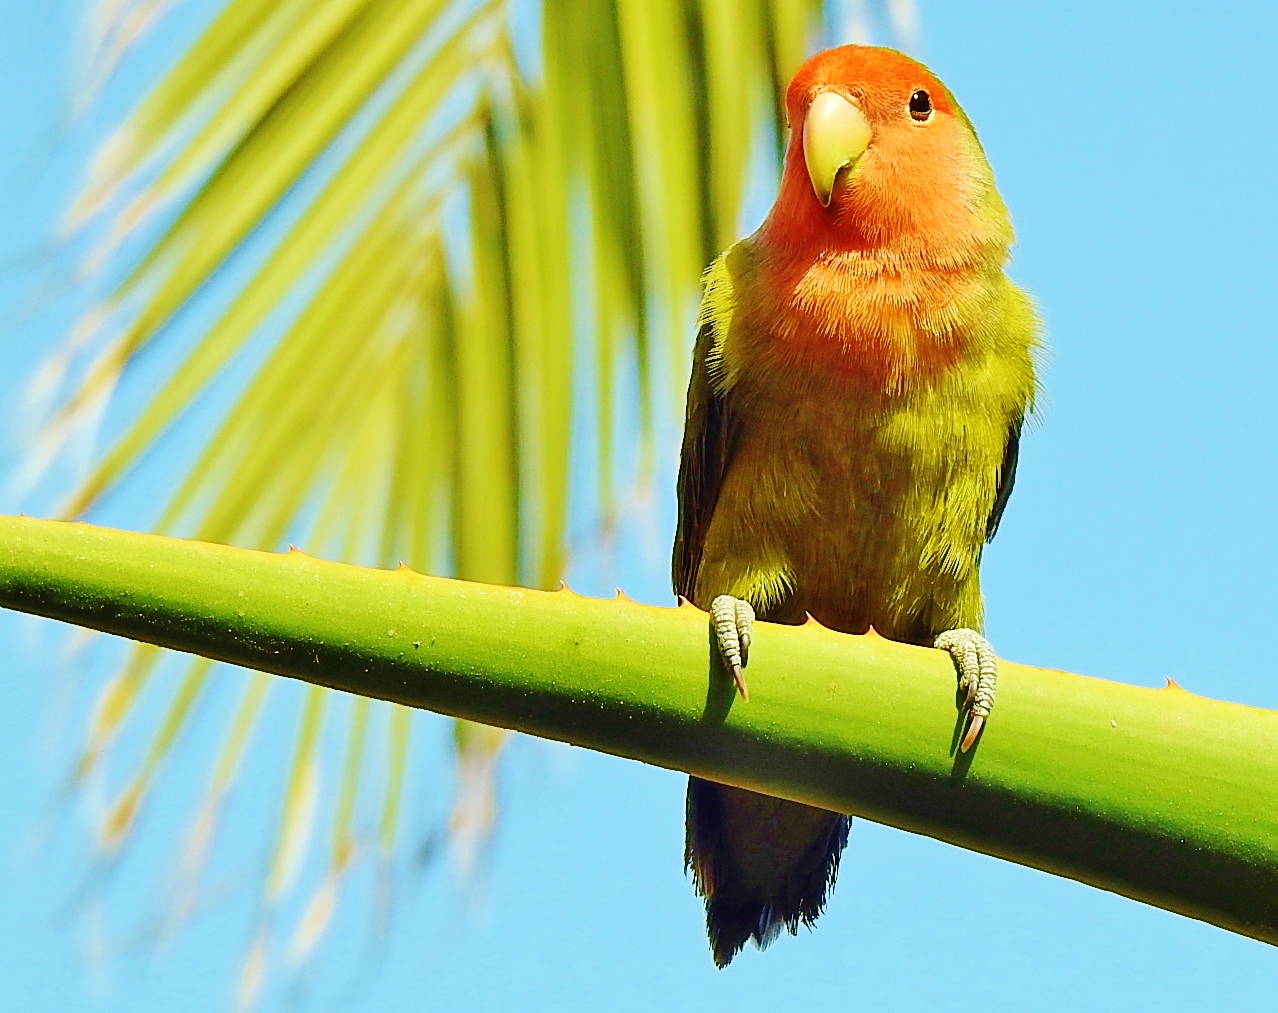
(860, 322)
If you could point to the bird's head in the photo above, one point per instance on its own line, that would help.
(880, 154)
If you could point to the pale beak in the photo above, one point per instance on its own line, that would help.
(835, 134)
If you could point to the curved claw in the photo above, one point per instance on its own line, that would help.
(977, 669)
(732, 620)
(974, 727)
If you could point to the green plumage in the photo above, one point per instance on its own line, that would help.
(852, 432)
(814, 490)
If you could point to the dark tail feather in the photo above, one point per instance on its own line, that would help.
(761, 863)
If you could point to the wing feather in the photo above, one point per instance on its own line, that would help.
(709, 439)
(1006, 478)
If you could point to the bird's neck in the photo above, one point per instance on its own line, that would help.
(892, 313)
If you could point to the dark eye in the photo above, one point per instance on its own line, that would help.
(920, 105)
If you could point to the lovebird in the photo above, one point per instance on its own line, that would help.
(861, 375)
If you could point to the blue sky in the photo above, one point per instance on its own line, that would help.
(1136, 153)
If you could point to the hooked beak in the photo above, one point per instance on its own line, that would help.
(835, 134)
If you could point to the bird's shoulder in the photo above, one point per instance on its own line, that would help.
(712, 425)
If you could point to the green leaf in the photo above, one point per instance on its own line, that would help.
(445, 215)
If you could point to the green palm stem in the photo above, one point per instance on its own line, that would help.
(1159, 795)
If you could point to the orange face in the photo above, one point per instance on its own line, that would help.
(879, 154)
(882, 80)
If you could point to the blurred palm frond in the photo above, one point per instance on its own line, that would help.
(428, 192)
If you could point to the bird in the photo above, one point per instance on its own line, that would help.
(862, 373)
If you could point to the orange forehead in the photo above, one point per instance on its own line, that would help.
(879, 76)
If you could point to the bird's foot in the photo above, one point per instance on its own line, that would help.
(732, 620)
(977, 667)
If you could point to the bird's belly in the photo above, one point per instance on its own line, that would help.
(829, 508)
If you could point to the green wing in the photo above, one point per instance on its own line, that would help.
(709, 438)
(1006, 478)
